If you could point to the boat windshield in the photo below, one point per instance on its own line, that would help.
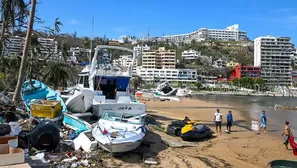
(123, 117)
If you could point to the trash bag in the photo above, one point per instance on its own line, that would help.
(5, 129)
(45, 136)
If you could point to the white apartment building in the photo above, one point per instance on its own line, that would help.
(220, 63)
(190, 54)
(170, 75)
(125, 62)
(231, 33)
(159, 59)
(273, 55)
(48, 46)
(13, 46)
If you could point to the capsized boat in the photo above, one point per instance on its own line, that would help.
(81, 101)
(165, 89)
(34, 89)
(119, 132)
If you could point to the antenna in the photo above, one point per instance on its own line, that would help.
(91, 46)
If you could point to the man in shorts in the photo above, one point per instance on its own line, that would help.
(218, 118)
(287, 132)
(263, 121)
(229, 120)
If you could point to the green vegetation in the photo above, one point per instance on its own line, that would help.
(249, 82)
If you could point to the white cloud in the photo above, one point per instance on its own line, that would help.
(74, 21)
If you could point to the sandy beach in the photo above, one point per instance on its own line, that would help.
(242, 148)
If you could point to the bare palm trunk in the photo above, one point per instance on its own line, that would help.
(2, 41)
(24, 62)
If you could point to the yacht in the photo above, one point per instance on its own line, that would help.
(109, 84)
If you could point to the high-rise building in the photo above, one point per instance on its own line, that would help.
(273, 55)
(159, 59)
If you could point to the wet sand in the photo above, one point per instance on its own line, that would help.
(242, 148)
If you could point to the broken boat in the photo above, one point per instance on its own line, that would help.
(119, 132)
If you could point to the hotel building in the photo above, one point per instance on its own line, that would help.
(159, 59)
(170, 75)
(273, 55)
(231, 33)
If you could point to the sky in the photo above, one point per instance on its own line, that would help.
(114, 18)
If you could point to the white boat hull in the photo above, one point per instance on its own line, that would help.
(132, 108)
(80, 102)
(120, 148)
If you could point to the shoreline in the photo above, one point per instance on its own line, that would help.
(242, 148)
(195, 93)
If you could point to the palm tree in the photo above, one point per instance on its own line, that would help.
(11, 11)
(23, 67)
(137, 82)
(54, 32)
(65, 55)
(58, 73)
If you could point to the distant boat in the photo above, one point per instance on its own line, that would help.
(34, 89)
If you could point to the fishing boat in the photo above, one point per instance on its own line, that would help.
(119, 132)
(109, 83)
(33, 90)
(43, 102)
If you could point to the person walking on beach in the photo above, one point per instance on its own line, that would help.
(287, 132)
(229, 120)
(263, 121)
(218, 118)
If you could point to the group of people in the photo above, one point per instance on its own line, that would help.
(218, 119)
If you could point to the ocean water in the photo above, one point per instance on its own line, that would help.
(251, 106)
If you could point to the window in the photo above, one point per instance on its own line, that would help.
(86, 82)
(81, 80)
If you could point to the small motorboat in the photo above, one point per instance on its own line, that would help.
(81, 101)
(118, 132)
(42, 98)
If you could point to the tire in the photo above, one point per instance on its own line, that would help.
(45, 136)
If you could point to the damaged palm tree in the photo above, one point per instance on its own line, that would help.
(24, 62)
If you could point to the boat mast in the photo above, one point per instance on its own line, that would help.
(91, 46)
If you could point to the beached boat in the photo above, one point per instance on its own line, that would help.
(33, 90)
(109, 83)
(165, 89)
(80, 102)
(119, 132)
